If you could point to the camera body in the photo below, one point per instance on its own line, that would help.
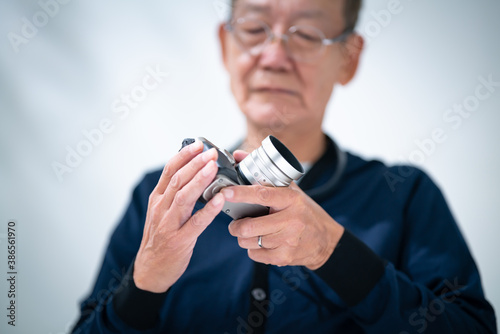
(272, 164)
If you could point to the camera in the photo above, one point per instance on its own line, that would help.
(271, 165)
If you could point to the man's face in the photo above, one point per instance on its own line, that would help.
(274, 90)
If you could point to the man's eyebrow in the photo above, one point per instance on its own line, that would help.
(312, 13)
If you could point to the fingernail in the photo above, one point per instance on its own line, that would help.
(217, 200)
(196, 146)
(207, 155)
(228, 193)
(208, 169)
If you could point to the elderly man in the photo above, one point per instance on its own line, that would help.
(355, 247)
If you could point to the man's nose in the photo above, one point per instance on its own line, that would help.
(275, 54)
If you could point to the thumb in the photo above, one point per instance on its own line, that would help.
(240, 155)
(295, 186)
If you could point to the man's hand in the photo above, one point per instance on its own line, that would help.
(296, 232)
(170, 232)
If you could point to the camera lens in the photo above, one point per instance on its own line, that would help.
(272, 164)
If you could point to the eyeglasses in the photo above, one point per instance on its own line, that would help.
(302, 42)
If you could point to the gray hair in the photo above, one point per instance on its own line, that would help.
(351, 13)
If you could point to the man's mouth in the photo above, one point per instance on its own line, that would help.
(275, 90)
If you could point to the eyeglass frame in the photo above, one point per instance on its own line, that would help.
(271, 36)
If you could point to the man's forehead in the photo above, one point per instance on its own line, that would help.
(321, 9)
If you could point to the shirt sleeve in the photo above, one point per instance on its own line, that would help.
(435, 287)
(115, 303)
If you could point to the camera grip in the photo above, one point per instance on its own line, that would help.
(233, 210)
(242, 210)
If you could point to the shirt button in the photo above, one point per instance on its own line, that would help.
(259, 294)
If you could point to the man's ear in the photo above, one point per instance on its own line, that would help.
(223, 43)
(351, 52)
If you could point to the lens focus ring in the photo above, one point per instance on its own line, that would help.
(272, 164)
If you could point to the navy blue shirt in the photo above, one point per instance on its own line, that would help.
(402, 266)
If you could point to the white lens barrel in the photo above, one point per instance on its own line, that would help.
(272, 164)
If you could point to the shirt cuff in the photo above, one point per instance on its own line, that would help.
(137, 308)
(352, 270)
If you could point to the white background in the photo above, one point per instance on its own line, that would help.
(65, 78)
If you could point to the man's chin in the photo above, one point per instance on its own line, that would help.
(273, 115)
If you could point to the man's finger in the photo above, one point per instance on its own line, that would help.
(202, 218)
(185, 199)
(253, 227)
(186, 174)
(240, 155)
(175, 163)
(267, 241)
(277, 256)
(277, 198)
